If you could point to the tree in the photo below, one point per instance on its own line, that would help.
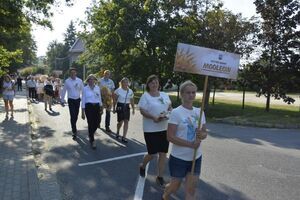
(274, 69)
(56, 56)
(70, 36)
(15, 26)
(57, 53)
(139, 38)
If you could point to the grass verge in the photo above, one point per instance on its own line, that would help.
(253, 114)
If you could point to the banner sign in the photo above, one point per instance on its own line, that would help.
(205, 61)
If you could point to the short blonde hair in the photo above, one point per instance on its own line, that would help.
(106, 71)
(184, 85)
(122, 80)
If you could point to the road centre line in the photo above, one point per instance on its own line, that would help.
(139, 190)
(111, 159)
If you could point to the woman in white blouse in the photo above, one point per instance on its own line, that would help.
(123, 96)
(91, 105)
(155, 106)
(8, 94)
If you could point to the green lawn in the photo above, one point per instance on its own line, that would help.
(254, 113)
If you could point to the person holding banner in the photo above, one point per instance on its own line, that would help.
(185, 137)
(155, 106)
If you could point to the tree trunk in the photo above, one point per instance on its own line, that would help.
(243, 105)
(268, 102)
(207, 98)
(213, 100)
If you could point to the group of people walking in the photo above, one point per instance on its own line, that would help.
(161, 123)
(94, 99)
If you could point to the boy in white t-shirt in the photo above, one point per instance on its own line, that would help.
(185, 138)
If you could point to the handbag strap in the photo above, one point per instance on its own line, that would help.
(126, 96)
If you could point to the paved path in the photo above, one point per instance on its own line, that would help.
(18, 175)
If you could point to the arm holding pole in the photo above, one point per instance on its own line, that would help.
(201, 131)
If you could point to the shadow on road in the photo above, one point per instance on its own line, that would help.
(283, 138)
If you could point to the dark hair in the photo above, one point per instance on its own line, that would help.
(150, 79)
(72, 68)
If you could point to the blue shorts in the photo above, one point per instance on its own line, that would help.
(8, 97)
(180, 168)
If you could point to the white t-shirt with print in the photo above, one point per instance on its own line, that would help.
(121, 93)
(154, 106)
(187, 122)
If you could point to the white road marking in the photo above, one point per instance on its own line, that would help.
(139, 190)
(111, 159)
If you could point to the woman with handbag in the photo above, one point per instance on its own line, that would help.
(49, 92)
(123, 96)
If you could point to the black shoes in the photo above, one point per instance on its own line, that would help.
(74, 135)
(124, 140)
(160, 181)
(108, 130)
(93, 144)
(142, 171)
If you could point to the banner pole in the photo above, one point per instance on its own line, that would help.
(200, 120)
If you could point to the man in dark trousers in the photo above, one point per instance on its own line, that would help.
(73, 85)
(19, 83)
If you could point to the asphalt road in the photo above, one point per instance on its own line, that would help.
(239, 163)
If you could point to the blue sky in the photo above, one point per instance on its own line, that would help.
(63, 15)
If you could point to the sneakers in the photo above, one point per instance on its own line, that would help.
(160, 181)
(142, 171)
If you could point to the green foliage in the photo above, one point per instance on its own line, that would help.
(7, 57)
(274, 73)
(57, 53)
(32, 70)
(70, 36)
(15, 29)
(137, 38)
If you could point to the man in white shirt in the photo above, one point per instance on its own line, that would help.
(105, 81)
(73, 85)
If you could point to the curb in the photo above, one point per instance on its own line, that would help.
(234, 121)
(48, 184)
